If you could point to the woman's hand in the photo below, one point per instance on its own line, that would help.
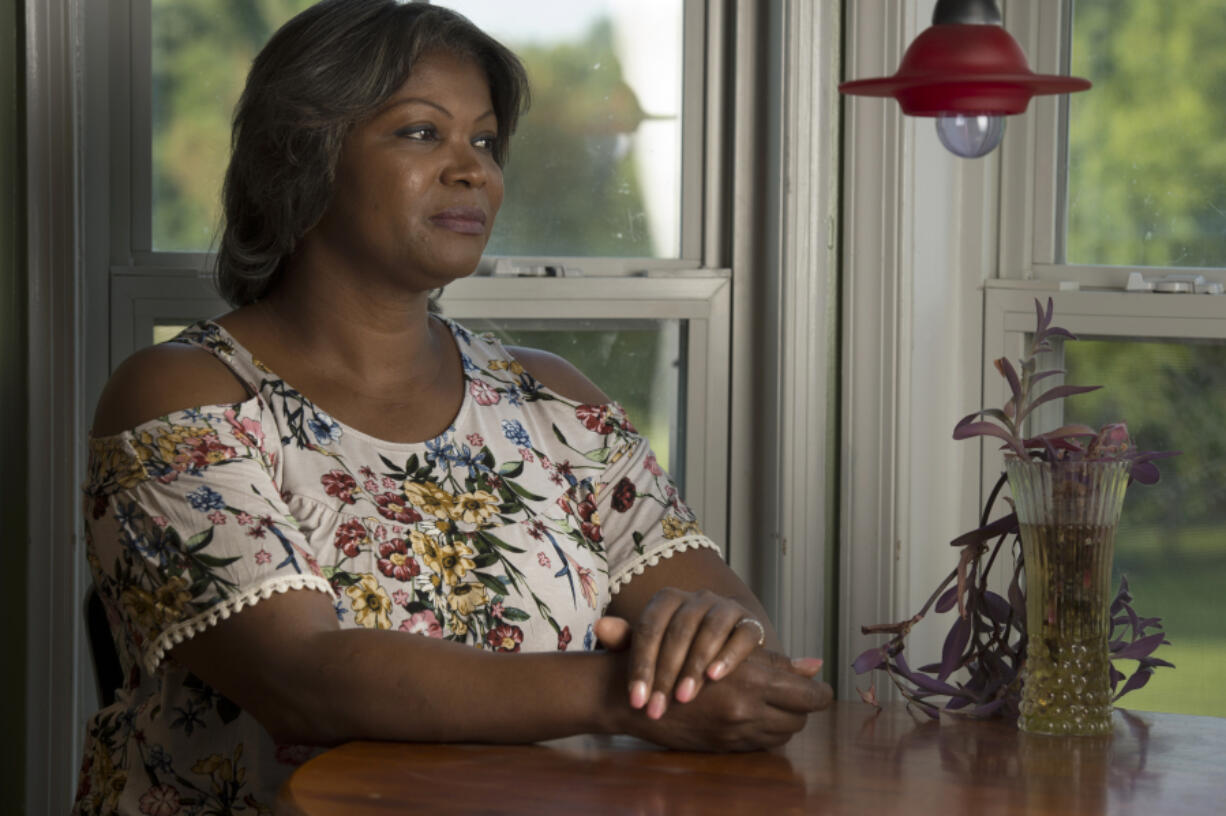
(681, 640)
(759, 704)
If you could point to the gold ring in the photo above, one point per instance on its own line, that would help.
(755, 622)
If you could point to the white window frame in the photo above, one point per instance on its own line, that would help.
(141, 300)
(147, 286)
(132, 169)
(1032, 199)
(1009, 319)
(919, 229)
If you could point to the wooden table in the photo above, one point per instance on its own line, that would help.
(847, 760)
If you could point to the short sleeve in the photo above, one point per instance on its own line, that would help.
(643, 519)
(186, 525)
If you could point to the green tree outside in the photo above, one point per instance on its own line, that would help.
(572, 189)
(1147, 161)
(1172, 537)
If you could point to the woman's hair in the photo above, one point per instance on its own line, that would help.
(325, 70)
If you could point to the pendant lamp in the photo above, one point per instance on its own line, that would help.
(969, 73)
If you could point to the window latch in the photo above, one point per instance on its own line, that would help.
(1175, 283)
(505, 268)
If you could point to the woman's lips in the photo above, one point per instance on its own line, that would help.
(464, 220)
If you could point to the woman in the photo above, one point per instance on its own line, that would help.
(331, 514)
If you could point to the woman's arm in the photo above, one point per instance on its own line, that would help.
(287, 662)
(689, 618)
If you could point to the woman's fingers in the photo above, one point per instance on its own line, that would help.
(807, 666)
(748, 633)
(687, 630)
(790, 689)
(718, 648)
(645, 643)
(698, 630)
(759, 705)
(612, 632)
(682, 640)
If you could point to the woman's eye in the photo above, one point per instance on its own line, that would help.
(486, 143)
(417, 132)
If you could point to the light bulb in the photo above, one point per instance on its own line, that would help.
(970, 136)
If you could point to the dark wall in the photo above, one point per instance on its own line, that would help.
(13, 420)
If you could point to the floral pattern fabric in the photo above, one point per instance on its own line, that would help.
(510, 531)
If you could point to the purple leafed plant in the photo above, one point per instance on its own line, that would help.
(988, 636)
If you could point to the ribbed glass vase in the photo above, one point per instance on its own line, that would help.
(1067, 513)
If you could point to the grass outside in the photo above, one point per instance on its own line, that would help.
(1192, 687)
(1179, 576)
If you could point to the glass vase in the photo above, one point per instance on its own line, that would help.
(1067, 514)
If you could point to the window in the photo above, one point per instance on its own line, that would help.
(597, 165)
(604, 183)
(1122, 181)
(1161, 365)
(1146, 171)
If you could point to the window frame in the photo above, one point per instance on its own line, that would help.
(132, 176)
(1009, 319)
(1033, 191)
(142, 298)
(145, 286)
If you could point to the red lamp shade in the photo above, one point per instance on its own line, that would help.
(964, 68)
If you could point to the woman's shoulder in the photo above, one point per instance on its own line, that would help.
(559, 375)
(160, 380)
(553, 371)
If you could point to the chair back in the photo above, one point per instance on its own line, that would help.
(107, 671)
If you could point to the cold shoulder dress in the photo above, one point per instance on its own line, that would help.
(510, 531)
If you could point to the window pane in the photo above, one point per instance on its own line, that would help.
(1147, 167)
(201, 52)
(1172, 537)
(595, 167)
(596, 164)
(168, 331)
(639, 363)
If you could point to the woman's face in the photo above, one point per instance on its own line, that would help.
(417, 187)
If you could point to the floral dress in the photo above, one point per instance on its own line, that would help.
(510, 531)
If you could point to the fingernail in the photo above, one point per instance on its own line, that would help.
(638, 694)
(655, 708)
(811, 664)
(717, 670)
(685, 691)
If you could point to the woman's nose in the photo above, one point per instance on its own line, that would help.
(465, 165)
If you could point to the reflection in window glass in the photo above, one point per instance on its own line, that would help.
(595, 167)
(1147, 163)
(201, 52)
(638, 363)
(1172, 537)
(167, 331)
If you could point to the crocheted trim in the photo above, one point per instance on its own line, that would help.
(209, 618)
(690, 542)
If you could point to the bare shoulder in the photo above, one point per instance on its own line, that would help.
(162, 379)
(558, 374)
